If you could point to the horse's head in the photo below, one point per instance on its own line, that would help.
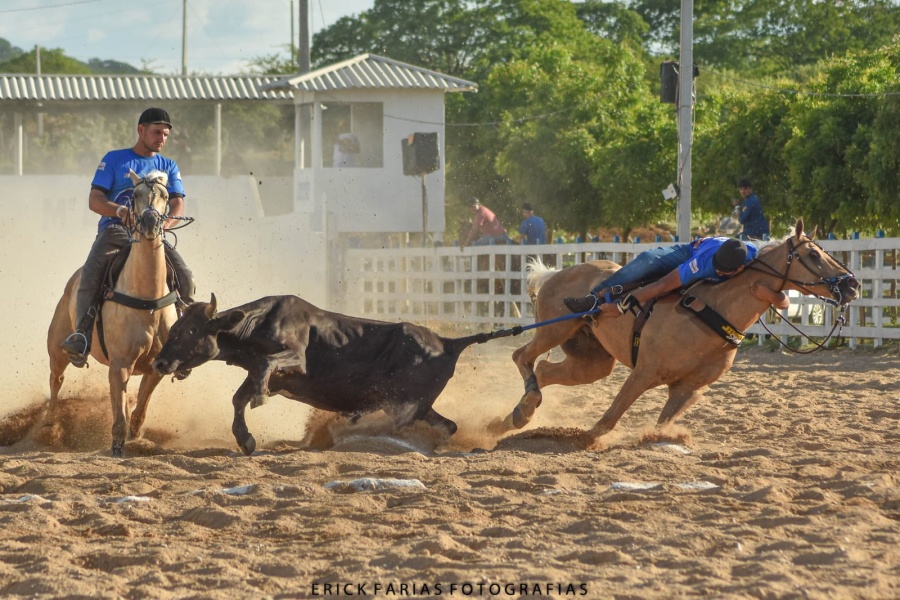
(150, 202)
(810, 270)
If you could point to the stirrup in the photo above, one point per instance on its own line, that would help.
(76, 346)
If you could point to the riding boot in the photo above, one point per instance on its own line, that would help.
(184, 279)
(594, 299)
(78, 344)
(582, 304)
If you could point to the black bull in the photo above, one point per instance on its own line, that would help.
(327, 360)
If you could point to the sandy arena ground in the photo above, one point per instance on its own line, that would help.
(783, 483)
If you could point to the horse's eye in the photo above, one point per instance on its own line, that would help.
(815, 255)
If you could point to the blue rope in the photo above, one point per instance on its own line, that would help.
(518, 329)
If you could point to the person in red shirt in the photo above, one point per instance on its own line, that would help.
(486, 228)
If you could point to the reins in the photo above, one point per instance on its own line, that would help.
(833, 284)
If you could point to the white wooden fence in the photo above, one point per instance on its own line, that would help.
(484, 286)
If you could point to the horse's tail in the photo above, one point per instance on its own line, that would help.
(536, 273)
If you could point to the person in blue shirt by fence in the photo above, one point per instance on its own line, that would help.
(533, 228)
(749, 212)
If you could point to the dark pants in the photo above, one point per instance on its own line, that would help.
(106, 244)
(648, 266)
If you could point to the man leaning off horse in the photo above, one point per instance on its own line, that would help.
(662, 270)
(110, 197)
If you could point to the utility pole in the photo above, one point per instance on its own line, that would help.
(40, 115)
(293, 38)
(304, 36)
(184, 38)
(685, 120)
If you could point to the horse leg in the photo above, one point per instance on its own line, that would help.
(118, 388)
(636, 384)
(148, 383)
(681, 398)
(586, 361)
(546, 338)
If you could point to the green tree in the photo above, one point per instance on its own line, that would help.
(53, 61)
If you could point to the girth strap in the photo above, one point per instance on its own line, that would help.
(140, 304)
(639, 321)
(713, 320)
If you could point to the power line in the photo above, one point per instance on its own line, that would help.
(14, 10)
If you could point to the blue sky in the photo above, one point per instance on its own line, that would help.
(222, 35)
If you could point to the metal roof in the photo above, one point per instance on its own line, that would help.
(49, 88)
(369, 71)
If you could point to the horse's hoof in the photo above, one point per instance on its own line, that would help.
(498, 427)
(519, 420)
(248, 446)
(118, 449)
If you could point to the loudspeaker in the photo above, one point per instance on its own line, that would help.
(420, 153)
(668, 80)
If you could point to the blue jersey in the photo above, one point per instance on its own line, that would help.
(534, 230)
(112, 177)
(700, 266)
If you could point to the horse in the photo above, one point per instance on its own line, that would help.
(675, 347)
(132, 335)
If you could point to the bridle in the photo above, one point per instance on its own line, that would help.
(833, 284)
(151, 215)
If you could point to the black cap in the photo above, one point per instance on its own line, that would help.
(730, 256)
(527, 206)
(155, 115)
(473, 201)
(745, 183)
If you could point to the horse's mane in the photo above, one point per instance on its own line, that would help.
(536, 273)
(157, 175)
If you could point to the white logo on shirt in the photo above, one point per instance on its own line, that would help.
(695, 268)
(101, 166)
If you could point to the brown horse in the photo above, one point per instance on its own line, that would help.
(133, 335)
(676, 348)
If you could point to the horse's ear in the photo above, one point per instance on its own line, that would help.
(798, 228)
(812, 234)
(135, 178)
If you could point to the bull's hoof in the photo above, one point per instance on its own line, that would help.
(181, 375)
(248, 446)
(118, 449)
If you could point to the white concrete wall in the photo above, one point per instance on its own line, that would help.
(380, 200)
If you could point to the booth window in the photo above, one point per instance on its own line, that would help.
(352, 135)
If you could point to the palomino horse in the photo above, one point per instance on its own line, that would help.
(134, 335)
(676, 348)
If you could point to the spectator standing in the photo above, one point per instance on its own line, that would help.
(749, 212)
(486, 227)
(533, 228)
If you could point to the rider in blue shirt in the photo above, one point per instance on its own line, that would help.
(533, 228)
(666, 269)
(110, 197)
